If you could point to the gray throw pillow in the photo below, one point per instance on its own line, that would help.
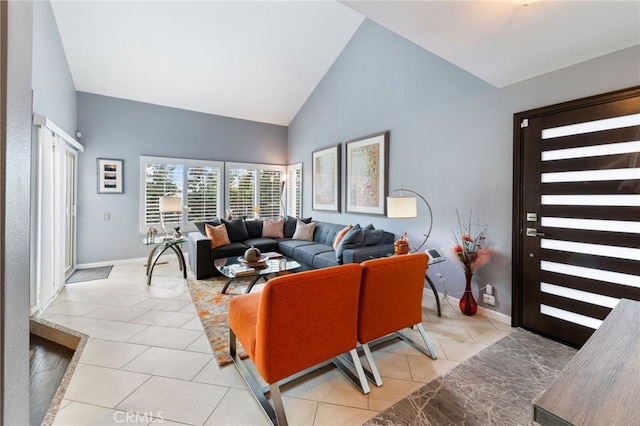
(201, 225)
(371, 237)
(236, 230)
(352, 239)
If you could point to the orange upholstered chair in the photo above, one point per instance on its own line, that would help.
(391, 300)
(297, 322)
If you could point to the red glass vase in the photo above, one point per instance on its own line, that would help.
(468, 304)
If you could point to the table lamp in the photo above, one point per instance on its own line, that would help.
(169, 205)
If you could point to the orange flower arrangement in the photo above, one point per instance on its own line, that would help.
(471, 247)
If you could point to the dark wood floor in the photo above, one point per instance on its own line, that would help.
(48, 362)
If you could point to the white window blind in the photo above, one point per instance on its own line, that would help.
(198, 179)
(294, 190)
(254, 185)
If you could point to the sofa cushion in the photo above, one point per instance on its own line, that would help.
(352, 239)
(217, 235)
(340, 235)
(230, 250)
(304, 231)
(236, 229)
(287, 247)
(324, 260)
(325, 232)
(201, 225)
(273, 228)
(262, 244)
(290, 225)
(305, 254)
(254, 228)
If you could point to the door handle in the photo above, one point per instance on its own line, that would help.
(533, 232)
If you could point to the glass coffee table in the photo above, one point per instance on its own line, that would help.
(234, 269)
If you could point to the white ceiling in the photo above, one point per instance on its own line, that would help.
(261, 60)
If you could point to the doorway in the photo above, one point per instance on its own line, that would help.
(55, 211)
(576, 214)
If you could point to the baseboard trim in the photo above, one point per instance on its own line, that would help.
(489, 313)
(141, 260)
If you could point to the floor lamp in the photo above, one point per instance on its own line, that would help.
(407, 207)
(169, 205)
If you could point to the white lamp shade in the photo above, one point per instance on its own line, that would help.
(402, 207)
(170, 204)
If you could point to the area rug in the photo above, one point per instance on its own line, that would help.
(212, 310)
(495, 387)
(89, 274)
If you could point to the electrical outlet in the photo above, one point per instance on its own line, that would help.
(107, 216)
(489, 299)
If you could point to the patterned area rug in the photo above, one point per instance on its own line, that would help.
(212, 310)
(495, 387)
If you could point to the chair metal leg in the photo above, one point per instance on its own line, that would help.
(372, 365)
(276, 398)
(429, 350)
(432, 351)
(276, 417)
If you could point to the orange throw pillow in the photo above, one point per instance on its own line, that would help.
(218, 235)
(340, 236)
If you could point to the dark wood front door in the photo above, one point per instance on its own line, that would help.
(576, 214)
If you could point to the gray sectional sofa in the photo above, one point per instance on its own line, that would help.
(358, 245)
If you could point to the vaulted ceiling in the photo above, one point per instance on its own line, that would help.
(261, 60)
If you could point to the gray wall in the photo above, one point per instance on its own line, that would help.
(54, 94)
(450, 135)
(120, 129)
(16, 153)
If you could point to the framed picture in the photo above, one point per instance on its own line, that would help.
(110, 180)
(367, 174)
(326, 179)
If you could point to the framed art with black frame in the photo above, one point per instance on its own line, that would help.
(326, 165)
(367, 174)
(110, 176)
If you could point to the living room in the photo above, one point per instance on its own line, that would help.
(380, 81)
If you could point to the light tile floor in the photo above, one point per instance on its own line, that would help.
(148, 360)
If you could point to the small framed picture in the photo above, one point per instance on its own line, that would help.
(110, 177)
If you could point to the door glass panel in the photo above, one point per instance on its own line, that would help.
(583, 296)
(592, 224)
(570, 316)
(592, 126)
(591, 273)
(591, 200)
(593, 249)
(591, 175)
(591, 151)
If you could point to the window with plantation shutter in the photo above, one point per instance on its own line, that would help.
(196, 181)
(294, 190)
(254, 188)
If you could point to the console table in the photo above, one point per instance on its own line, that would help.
(600, 385)
(160, 245)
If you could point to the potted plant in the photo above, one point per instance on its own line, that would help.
(177, 233)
